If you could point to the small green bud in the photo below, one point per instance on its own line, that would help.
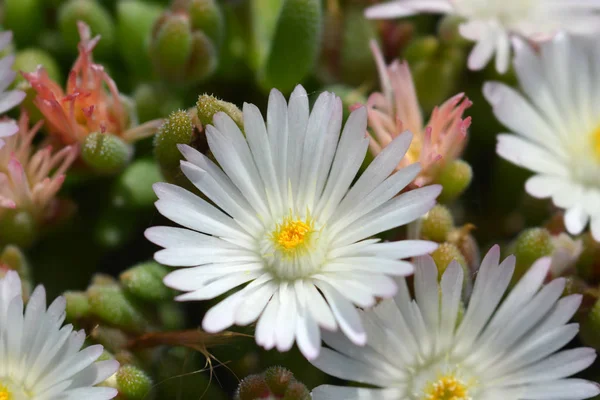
(437, 224)
(113, 340)
(590, 327)
(295, 44)
(278, 379)
(28, 60)
(113, 306)
(105, 153)
(94, 15)
(445, 254)
(454, 178)
(203, 60)
(296, 391)
(18, 227)
(253, 387)
(133, 188)
(207, 106)
(133, 383)
(588, 265)
(24, 18)
(206, 15)
(78, 305)
(13, 258)
(146, 282)
(155, 101)
(531, 245)
(177, 129)
(466, 243)
(135, 20)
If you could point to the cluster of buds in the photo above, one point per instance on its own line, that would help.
(437, 144)
(274, 383)
(86, 113)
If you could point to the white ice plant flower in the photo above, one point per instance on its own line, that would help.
(10, 98)
(556, 125)
(427, 349)
(492, 23)
(287, 221)
(39, 359)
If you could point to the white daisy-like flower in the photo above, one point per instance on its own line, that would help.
(491, 23)
(427, 349)
(556, 125)
(287, 221)
(39, 360)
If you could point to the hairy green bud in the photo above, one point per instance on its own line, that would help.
(454, 178)
(78, 305)
(113, 306)
(145, 281)
(133, 188)
(207, 106)
(133, 383)
(437, 224)
(105, 153)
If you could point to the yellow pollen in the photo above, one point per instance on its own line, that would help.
(292, 234)
(5, 393)
(447, 387)
(596, 142)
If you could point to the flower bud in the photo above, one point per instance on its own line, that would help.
(278, 379)
(18, 227)
(12, 258)
(93, 14)
(588, 265)
(105, 153)
(177, 129)
(296, 391)
(133, 383)
(437, 224)
(454, 178)
(356, 62)
(445, 254)
(145, 281)
(155, 101)
(206, 15)
(135, 20)
(113, 306)
(590, 327)
(298, 32)
(133, 188)
(78, 305)
(531, 245)
(253, 387)
(207, 106)
(24, 18)
(466, 243)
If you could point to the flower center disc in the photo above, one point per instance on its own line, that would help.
(5, 394)
(292, 235)
(447, 388)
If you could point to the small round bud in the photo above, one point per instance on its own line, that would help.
(253, 387)
(133, 188)
(437, 224)
(278, 379)
(206, 15)
(12, 258)
(95, 16)
(296, 391)
(454, 178)
(135, 20)
(24, 18)
(207, 106)
(445, 254)
(177, 129)
(113, 306)
(18, 227)
(531, 245)
(78, 305)
(145, 281)
(466, 243)
(133, 383)
(171, 44)
(588, 265)
(105, 153)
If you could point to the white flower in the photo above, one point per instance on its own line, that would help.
(288, 222)
(556, 125)
(8, 99)
(39, 360)
(499, 350)
(491, 23)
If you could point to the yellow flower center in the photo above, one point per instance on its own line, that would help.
(596, 142)
(292, 234)
(5, 394)
(447, 387)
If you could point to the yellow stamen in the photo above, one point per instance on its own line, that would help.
(5, 394)
(292, 234)
(596, 142)
(447, 387)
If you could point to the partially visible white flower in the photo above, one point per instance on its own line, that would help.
(566, 252)
(499, 350)
(8, 99)
(288, 222)
(556, 125)
(491, 23)
(39, 360)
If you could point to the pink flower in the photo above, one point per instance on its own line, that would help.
(397, 109)
(29, 179)
(86, 106)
